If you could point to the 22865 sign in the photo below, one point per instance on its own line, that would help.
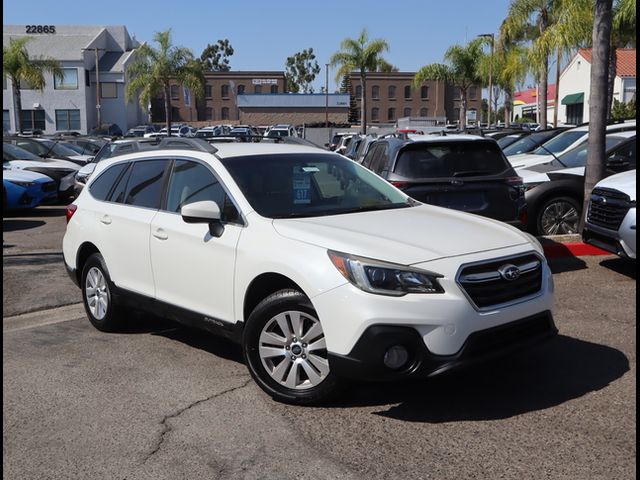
(41, 29)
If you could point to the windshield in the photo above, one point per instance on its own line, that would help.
(278, 133)
(577, 157)
(311, 185)
(529, 142)
(450, 159)
(12, 152)
(561, 142)
(58, 149)
(507, 140)
(105, 152)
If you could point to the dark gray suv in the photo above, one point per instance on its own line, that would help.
(462, 172)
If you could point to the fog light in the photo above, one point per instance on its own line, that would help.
(396, 357)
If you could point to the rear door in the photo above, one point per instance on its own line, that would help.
(193, 269)
(124, 221)
(470, 176)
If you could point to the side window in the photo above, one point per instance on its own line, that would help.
(102, 185)
(379, 162)
(193, 182)
(144, 188)
(369, 156)
(623, 158)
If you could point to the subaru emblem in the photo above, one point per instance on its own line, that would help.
(509, 272)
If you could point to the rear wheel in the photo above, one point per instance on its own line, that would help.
(558, 216)
(99, 303)
(285, 350)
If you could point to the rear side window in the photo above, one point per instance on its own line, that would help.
(144, 188)
(448, 159)
(102, 185)
(192, 182)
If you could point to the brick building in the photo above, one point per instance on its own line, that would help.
(390, 96)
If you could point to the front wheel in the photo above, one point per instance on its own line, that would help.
(285, 350)
(558, 216)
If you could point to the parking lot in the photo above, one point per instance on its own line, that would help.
(163, 401)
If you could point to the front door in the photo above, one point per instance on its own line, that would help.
(193, 269)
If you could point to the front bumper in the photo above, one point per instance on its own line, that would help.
(365, 361)
(622, 242)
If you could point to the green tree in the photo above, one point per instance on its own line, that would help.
(302, 69)
(153, 69)
(527, 21)
(508, 68)
(215, 58)
(19, 67)
(384, 66)
(596, 148)
(621, 110)
(363, 56)
(347, 87)
(462, 71)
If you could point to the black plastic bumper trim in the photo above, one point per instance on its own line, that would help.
(365, 361)
(72, 274)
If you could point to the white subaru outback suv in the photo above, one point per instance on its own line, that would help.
(321, 276)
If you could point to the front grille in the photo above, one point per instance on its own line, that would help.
(49, 187)
(607, 208)
(486, 283)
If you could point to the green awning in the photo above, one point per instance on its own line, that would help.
(573, 98)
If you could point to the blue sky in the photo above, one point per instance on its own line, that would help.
(263, 34)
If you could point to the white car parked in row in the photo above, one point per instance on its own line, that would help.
(611, 216)
(319, 279)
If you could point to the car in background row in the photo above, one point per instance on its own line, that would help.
(530, 141)
(555, 190)
(562, 143)
(62, 172)
(48, 148)
(281, 130)
(461, 172)
(83, 145)
(108, 130)
(611, 215)
(335, 140)
(140, 130)
(213, 131)
(23, 189)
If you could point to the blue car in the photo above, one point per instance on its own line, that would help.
(24, 189)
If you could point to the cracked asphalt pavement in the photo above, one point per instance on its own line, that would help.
(159, 401)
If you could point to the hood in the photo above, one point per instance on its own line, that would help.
(405, 236)
(526, 160)
(24, 176)
(624, 182)
(44, 163)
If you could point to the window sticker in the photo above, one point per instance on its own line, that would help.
(301, 185)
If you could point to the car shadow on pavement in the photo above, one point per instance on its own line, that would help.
(218, 346)
(566, 264)
(52, 211)
(561, 370)
(621, 265)
(15, 225)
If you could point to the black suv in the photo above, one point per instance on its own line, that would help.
(462, 172)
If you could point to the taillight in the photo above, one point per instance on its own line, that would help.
(517, 183)
(399, 185)
(71, 209)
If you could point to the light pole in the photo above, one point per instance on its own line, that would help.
(326, 96)
(492, 36)
(99, 117)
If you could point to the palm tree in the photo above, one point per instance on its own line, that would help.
(527, 20)
(595, 169)
(508, 67)
(363, 56)
(462, 71)
(151, 73)
(19, 67)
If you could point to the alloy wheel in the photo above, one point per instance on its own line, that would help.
(559, 218)
(96, 292)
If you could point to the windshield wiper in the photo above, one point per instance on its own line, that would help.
(471, 173)
(553, 155)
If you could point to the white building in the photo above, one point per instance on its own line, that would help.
(575, 84)
(70, 104)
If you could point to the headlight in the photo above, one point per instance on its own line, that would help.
(383, 278)
(23, 184)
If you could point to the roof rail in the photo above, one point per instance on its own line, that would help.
(187, 143)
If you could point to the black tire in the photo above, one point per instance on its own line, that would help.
(275, 304)
(112, 319)
(542, 227)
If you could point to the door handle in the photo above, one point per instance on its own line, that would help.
(160, 234)
(106, 219)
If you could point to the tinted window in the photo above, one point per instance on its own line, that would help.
(449, 159)
(192, 182)
(577, 157)
(528, 142)
(371, 154)
(102, 185)
(144, 188)
(561, 142)
(379, 161)
(294, 185)
(13, 152)
(121, 187)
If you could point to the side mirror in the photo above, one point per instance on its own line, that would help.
(206, 211)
